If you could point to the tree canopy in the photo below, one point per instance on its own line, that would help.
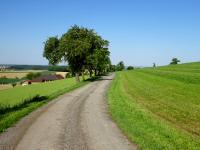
(130, 68)
(82, 48)
(120, 66)
(51, 51)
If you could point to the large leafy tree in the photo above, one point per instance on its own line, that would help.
(75, 45)
(98, 60)
(103, 61)
(82, 48)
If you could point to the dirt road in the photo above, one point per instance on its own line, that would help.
(76, 121)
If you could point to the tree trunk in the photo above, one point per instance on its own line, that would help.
(83, 77)
(90, 73)
(77, 77)
(95, 72)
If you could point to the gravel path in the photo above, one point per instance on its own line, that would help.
(75, 121)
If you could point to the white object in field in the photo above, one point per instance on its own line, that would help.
(24, 84)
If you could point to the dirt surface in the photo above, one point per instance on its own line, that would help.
(78, 120)
(13, 74)
(5, 86)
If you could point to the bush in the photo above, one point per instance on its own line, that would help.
(120, 66)
(130, 68)
(86, 73)
(32, 75)
(68, 75)
(14, 84)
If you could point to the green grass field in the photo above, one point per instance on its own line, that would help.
(158, 108)
(13, 98)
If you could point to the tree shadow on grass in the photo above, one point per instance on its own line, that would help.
(10, 108)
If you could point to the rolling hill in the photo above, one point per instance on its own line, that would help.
(158, 108)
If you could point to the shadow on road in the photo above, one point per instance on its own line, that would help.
(98, 78)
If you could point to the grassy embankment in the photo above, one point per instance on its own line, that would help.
(158, 108)
(17, 102)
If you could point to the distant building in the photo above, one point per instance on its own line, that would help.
(4, 67)
(45, 78)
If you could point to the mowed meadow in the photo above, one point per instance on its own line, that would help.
(17, 102)
(158, 108)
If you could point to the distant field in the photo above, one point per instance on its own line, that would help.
(14, 97)
(23, 73)
(159, 108)
(17, 94)
(17, 74)
(3, 87)
(13, 74)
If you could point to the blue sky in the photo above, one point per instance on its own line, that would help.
(140, 31)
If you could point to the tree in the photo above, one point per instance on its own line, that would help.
(113, 68)
(120, 66)
(103, 61)
(98, 59)
(51, 51)
(75, 45)
(91, 63)
(82, 48)
(174, 61)
(14, 84)
(130, 68)
(154, 65)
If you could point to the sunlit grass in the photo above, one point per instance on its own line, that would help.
(158, 108)
(11, 100)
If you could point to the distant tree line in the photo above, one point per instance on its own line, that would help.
(82, 48)
(120, 67)
(29, 67)
(39, 67)
(59, 68)
(130, 68)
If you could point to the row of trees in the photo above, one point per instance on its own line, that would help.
(120, 67)
(82, 48)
